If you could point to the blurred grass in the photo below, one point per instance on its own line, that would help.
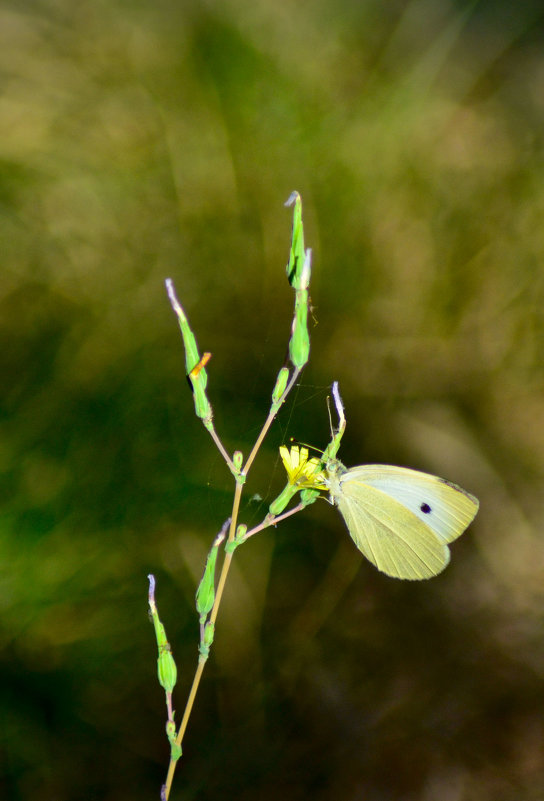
(143, 140)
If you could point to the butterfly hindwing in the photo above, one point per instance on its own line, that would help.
(390, 535)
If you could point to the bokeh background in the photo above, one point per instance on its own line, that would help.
(141, 140)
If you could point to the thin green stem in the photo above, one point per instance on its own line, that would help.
(165, 792)
(201, 662)
(272, 521)
(299, 270)
(227, 562)
(220, 447)
(269, 420)
(228, 556)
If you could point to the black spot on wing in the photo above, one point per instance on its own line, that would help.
(425, 508)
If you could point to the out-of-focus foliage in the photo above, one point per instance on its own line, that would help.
(146, 139)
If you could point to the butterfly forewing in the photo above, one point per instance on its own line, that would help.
(445, 508)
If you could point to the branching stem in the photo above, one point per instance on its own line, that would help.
(299, 270)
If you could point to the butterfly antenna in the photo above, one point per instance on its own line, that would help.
(330, 415)
(306, 445)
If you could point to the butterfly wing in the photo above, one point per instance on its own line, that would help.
(401, 519)
(444, 507)
(389, 535)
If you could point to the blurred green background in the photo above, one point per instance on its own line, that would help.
(141, 140)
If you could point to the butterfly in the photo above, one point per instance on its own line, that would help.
(402, 520)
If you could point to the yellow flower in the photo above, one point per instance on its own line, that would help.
(301, 471)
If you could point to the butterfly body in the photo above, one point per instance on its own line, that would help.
(400, 519)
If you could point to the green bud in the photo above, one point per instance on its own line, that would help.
(236, 467)
(194, 365)
(202, 405)
(238, 460)
(277, 506)
(231, 546)
(206, 641)
(209, 632)
(166, 667)
(299, 344)
(175, 749)
(296, 254)
(240, 532)
(205, 595)
(167, 670)
(281, 383)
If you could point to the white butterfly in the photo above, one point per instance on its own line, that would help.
(400, 519)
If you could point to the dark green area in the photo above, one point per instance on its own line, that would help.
(146, 140)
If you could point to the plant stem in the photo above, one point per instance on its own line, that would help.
(298, 272)
(228, 556)
(220, 447)
(183, 725)
(226, 565)
(201, 662)
(272, 521)
(269, 420)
